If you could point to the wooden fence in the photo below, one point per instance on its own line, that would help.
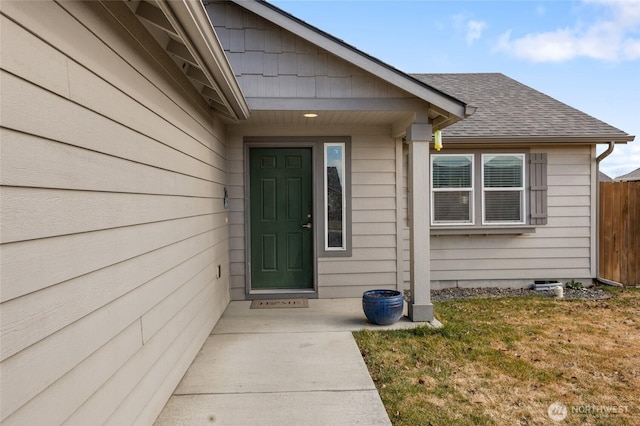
(620, 232)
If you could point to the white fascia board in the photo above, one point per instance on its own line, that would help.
(358, 58)
(192, 22)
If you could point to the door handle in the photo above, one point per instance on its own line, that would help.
(308, 225)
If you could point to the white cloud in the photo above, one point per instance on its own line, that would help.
(612, 38)
(631, 49)
(470, 28)
(474, 30)
(625, 12)
(624, 159)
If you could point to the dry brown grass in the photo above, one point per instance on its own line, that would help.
(505, 361)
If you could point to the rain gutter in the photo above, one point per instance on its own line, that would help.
(601, 157)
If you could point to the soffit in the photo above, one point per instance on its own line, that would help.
(399, 119)
(195, 58)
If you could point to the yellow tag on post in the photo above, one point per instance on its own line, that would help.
(437, 136)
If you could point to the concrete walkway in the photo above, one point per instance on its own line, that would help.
(292, 366)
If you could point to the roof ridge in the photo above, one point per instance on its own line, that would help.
(459, 73)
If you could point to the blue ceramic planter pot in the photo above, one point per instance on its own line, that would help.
(382, 307)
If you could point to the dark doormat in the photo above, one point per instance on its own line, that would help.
(279, 303)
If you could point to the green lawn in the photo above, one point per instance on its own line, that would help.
(505, 361)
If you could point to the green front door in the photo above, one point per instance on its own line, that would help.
(280, 219)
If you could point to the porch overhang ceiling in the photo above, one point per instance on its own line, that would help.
(388, 111)
(391, 112)
(183, 30)
(443, 109)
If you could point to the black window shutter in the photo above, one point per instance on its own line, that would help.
(538, 189)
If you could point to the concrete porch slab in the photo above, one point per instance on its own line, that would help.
(298, 366)
(321, 315)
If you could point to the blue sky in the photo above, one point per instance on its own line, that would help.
(585, 53)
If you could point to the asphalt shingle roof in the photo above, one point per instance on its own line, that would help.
(508, 108)
(602, 177)
(631, 176)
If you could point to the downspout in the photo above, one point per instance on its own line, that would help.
(605, 154)
(601, 157)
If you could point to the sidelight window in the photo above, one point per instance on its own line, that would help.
(334, 196)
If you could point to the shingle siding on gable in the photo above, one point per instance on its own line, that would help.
(259, 51)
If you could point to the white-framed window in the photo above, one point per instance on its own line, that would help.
(483, 189)
(452, 189)
(334, 197)
(503, 189)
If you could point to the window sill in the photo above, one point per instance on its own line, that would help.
(483, 230)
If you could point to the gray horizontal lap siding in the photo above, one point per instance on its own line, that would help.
(373, 262)
(560, 249)
(112, 218)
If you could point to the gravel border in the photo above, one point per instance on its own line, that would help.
(591, 293)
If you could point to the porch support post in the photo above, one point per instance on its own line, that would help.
(419, 136)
